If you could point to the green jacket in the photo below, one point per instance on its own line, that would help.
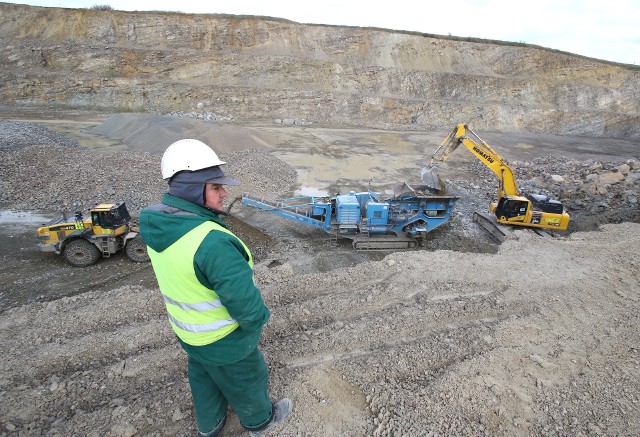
(220, 264)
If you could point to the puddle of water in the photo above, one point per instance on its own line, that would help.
(311, 192)
(19, 221)
(80, 131)
(8, 217)
(323, 170)
(326, 160)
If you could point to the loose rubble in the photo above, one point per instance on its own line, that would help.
(15, 135)
(538, 338)
(593, 192)
(44, 170)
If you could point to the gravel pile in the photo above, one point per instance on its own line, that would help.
(14, 135)
(47, 171)
(538, 338)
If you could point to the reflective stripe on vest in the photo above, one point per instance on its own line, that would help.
(201, 306)
(203, 327)
(195, 312)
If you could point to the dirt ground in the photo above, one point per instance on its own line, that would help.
(537, 336)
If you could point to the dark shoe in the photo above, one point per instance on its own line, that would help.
(281, 410)
(216, 431)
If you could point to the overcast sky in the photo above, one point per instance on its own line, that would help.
(603, 29)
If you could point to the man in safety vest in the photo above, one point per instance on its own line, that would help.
(205, 275)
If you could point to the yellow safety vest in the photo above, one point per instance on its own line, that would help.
(195, 312)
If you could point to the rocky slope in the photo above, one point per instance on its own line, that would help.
(537, 337)
(248, 68)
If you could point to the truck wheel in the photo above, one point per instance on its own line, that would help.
(136, 250)
(81, 253)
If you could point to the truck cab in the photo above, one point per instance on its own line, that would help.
(110, 219)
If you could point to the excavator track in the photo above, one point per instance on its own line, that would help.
(383, 243)
(488, 222)
(500, 232)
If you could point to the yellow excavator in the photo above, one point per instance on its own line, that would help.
(511, 208)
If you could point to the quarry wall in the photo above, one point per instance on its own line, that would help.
(246, 68)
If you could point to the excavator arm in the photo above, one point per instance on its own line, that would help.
(461, 134)
(511, 208)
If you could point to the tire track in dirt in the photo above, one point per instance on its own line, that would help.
(384, 348)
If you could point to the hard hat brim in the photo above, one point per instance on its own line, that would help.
(223, 181)
(210, 175)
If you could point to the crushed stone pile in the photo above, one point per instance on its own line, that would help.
(14, 135)
(153, 133)
(45, 171)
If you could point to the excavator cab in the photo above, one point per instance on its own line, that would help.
(509, 207)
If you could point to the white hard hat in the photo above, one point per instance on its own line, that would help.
(189, 155)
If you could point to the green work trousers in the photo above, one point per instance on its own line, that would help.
(242, 384)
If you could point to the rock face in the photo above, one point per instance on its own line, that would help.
(255, 68)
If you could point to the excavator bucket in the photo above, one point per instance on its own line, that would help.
(430, 177)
